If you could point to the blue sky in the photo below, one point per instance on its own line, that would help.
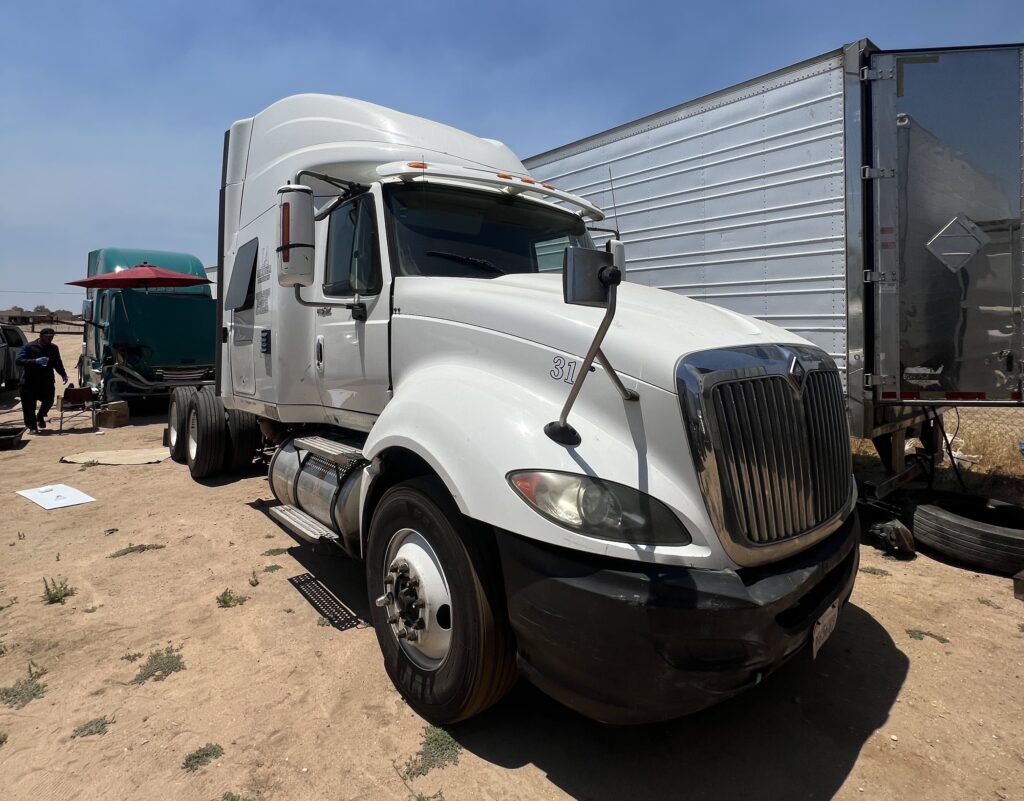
(113, 113)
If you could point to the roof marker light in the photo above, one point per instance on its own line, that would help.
(503, 175)
(527, 180)
(547, 186)
(417, 165)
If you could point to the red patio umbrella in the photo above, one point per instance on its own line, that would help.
(143, 275)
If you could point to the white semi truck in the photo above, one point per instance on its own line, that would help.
(410, 318)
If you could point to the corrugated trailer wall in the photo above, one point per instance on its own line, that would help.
(736, 199)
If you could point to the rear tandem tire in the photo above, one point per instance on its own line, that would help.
(244, 438)
(177, 423)
(479, 667)
(206, 435)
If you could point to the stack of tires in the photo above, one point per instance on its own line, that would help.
(209, 438)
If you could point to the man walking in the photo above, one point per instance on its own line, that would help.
(39, 360)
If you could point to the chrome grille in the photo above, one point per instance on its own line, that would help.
(783, 456)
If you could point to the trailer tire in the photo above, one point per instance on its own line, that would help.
(207, 435)
(974, 530)
(478, 668)
(177, 423)
(244, 438)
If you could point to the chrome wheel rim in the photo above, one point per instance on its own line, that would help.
(417, 600)
(193, 432)
(172, 423)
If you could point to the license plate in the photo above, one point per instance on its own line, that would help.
(823, 628)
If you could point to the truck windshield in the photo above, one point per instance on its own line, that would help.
(447, 231)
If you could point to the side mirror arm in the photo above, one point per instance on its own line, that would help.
(560, 431)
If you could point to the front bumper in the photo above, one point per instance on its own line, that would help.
(629, 642)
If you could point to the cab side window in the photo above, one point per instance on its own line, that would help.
(353, 255)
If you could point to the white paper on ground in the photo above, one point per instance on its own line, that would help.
(56, 496)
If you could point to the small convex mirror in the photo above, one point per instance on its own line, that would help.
(585, 276)
(87, 310)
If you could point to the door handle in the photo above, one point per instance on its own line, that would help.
(320, 353)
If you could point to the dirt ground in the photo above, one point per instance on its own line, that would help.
(291, 685)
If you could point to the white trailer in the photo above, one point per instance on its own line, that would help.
(869, 200)
(409, 317)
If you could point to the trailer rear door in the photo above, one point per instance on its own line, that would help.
(946, 179)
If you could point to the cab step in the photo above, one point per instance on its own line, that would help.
(302, 525)
(329, 449)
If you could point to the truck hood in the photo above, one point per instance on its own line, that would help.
(652, 329)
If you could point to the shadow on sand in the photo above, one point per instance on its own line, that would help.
(797, 735)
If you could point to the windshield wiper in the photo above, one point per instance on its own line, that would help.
(473, 260)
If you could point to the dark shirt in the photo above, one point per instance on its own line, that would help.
(36, 375)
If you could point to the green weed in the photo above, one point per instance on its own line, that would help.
(132, 656)
(159, 665)
(919, 634)
(3, 738)
(230, 598)
(253, 581)
(874, 571)
(272, 568)
(275, 551)
(56, 592)
(989, 603)
(140, 548)
(96, 726)
(438, 749)
(202, 756)
(236, 797)
(24, 690)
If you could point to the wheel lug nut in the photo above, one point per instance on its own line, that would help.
(385, 599)
(403, 568)
(389, 580)
(402, 634)
(413, 636)
(393, 620)
(419, 624)
(413, 583)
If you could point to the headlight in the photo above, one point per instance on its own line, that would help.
(599, 508)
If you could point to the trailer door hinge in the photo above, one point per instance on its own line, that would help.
(876, 276)
(869, 173)
(872, 380)
(868, 74)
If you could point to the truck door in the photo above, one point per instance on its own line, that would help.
(946, 181)
(350, 351)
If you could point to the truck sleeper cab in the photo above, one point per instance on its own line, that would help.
(393, 296)
(141, 343)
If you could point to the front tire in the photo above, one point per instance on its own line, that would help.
(207, 435)
(433, 575)
(177, 423)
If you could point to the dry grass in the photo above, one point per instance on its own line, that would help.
(140, 548)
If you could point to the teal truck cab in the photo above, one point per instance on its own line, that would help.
(144, 342)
